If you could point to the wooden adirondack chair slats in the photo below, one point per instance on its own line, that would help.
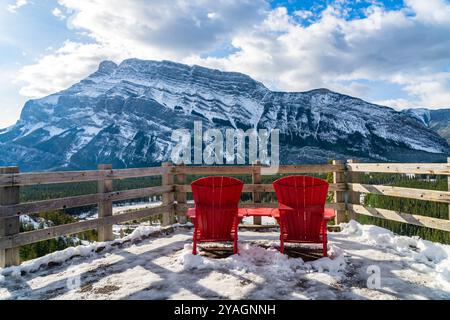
(303, 220)
(301, 210)
(216, 209)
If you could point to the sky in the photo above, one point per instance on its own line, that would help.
(392, 52)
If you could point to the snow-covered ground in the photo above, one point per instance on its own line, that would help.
(155, 263)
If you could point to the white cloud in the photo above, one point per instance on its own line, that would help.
(412, 43)
(177, 28)
(58, 13)
(14, 7)
(397, 104)
(303, 14)
(144, 29)
(407, 47)
(69, 64)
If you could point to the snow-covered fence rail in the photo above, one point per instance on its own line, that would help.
(354, 206)
(174, 190)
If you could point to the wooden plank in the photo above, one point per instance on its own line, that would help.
(105, 232)
(336, 206)
(181, 196)
(257, 226)
(312, 168)
(339, 196)
(256, 195)
(415, 168)
(448, 189)
(267, 187)
(418, 220)
(204, 170)
(9, 226)
(168, 198)
(93, 175)
(79, 201)
(411, 193)
(77, 227)
(23, 179)
(353, 196)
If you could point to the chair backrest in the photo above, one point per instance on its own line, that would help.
(216, 206)
(307, 196)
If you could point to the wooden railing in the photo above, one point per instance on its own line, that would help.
(174, 192)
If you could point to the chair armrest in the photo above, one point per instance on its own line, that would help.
(276, 211)
(284, 207)
(242, 212)
(329, 214)
(191, 213)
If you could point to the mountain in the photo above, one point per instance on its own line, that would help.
(125, 114)
(437, 120)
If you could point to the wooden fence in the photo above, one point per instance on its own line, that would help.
(174, 190)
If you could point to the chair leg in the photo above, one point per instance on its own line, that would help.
(194, 245)
(235, 245)
(281, 245)
(194, 248)
(325, 240)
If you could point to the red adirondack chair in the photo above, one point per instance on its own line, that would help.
(301, 213)
(216, 214)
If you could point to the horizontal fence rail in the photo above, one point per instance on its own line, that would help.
(80, 201)
(411, 193)
(405, 168)
(27, 179)
(346, 189)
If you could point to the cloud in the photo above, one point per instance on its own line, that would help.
(58, 14)
(176, 28)
(69, 64)
(397, 104)
(158, 30)
(18, 4)
(408, 47)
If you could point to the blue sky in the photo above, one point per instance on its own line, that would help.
(391, 52)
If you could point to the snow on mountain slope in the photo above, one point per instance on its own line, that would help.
(125, 114)
(436, 120)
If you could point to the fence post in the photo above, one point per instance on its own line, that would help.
(256, 196)
(11, 225)
(353, 197)
(448, 189)
(168, 217)
(339, 196)
(105, 232)
(181, 196)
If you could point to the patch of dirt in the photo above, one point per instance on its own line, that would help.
(106, 289)
(86, 288)
(302, 283)
(245, 282)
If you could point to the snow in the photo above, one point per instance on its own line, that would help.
(78, 251)
(157, 263)
(266, 221)
(54, 131)
(119, 208)
(29, 222)
(322, 115)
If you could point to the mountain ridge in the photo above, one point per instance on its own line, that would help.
(124, 114)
